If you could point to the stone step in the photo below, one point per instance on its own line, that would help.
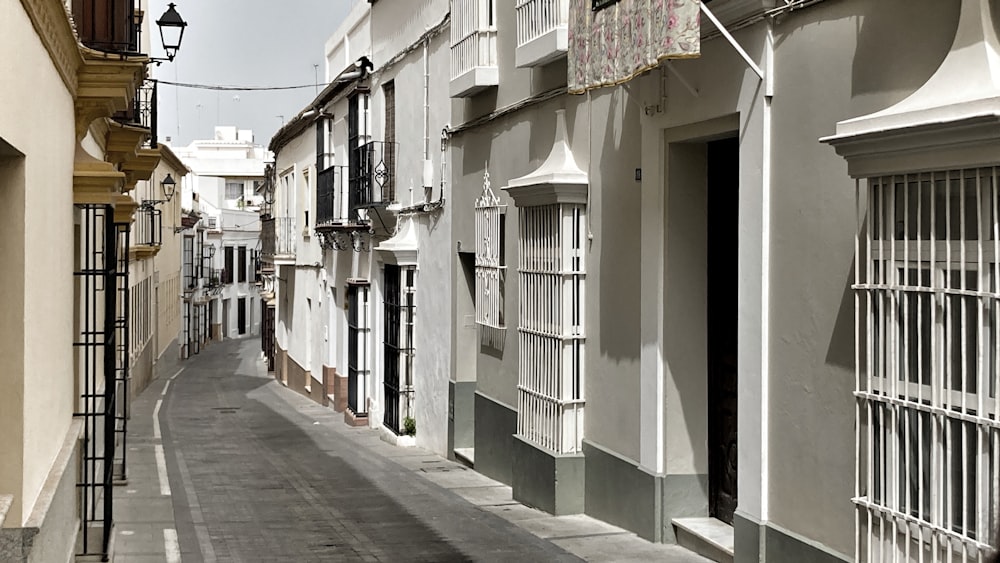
(466, 456)
(708, 537)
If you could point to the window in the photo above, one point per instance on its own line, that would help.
(189, 264)
(227, 274)
(927, 309)
(358, 331)
(550, 325)
(242, 268)
(398, 345)
(389, 150)
(234, 190)
(490, 269)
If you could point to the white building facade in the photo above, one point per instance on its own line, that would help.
(662, 301)
(220, 253)
(361, 226)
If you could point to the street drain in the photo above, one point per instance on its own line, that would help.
(442, 469)
(226, 410)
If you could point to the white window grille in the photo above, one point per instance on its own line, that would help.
(550, 325)
(927, 310)
(473, 45)
(490, 270)
(542, 31)
(234, 190)
(358, 347)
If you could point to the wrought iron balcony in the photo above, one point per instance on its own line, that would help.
(112, 26)
(142, 112)
(277, 238)
(148, 226)
(372, 175)
(542, 31)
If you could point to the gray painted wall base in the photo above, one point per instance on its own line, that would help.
(620, 492)
(461, 415)
(626, 495)
(546, 480)
(495, 426)
(778, 545)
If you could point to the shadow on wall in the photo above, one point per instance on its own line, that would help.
(898, 54)
(840, 352)
(618, 201)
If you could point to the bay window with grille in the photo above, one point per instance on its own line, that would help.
(551, 338)
(927, 311)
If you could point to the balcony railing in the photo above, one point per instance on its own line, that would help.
(277, 238)
(473, 47)
(542, 31)
(142, 112)
(372, 175)
(214, 278)
(112, 26)
(332, 202)
(148, 226)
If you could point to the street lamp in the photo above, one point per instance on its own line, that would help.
(168, 185)
(171, 26)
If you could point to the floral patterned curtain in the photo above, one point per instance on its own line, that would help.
(616, 43)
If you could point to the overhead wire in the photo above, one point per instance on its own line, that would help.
(227, 88)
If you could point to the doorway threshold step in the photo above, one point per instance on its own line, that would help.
(705, 536)
(466, 456)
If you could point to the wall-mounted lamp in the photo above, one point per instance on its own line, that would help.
(168, 185)
(171, 26)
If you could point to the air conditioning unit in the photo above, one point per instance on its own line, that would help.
(212, 222)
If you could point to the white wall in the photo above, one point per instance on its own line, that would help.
(37, 389)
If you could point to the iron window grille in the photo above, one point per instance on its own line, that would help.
(550, 325)
(102, 346)
(358, 334)
(331, 196)
(490, 269)
(927, 318)
(190, 272)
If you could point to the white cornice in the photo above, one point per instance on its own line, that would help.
(557, 180)
(953, 120)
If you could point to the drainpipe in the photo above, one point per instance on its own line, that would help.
(428, 172)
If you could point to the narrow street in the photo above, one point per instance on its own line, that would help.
(256, 472)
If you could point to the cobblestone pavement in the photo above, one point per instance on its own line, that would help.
(252, 471)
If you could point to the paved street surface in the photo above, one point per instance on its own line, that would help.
(235, 467)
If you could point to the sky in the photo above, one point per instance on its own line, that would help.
(242, 43)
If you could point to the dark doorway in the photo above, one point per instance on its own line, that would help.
(390, 379)
(241, 315)
(723, 256)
